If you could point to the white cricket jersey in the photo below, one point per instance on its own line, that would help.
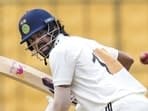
(72, 63)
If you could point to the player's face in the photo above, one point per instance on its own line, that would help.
(41, 43)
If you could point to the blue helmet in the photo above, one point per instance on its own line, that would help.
(34, 21)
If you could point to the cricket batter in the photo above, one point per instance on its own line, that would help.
(95, 74)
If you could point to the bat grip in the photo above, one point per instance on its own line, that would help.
(48, 82)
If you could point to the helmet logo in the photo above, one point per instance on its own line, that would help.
(25, 28)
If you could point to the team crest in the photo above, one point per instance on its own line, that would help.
(25, 28)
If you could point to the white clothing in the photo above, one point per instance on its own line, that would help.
(72, 63)
(133, 102)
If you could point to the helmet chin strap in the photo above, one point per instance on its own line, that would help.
(45, 61)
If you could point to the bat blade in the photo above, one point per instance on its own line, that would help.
(28, 75)
(25, 74)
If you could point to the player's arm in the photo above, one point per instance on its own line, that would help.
(61, 101)
(125, 59)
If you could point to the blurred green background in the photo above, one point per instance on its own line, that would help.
(122, 24)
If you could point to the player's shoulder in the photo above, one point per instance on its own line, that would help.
(79, 40)
(66, 44)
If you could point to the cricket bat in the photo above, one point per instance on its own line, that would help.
(28, 75)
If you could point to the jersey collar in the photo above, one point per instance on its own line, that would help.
(59, 38)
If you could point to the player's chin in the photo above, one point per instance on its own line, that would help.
(45, 52)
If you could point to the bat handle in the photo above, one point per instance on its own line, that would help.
(48, 83)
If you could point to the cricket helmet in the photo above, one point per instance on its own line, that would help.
(33, 21)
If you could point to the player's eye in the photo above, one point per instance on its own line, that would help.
(30, 40)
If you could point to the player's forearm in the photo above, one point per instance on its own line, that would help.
(125, 60)
(57, 106)
(127, 64)
(60, 107)
(61, 100)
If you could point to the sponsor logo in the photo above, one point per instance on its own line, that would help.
(16, 68)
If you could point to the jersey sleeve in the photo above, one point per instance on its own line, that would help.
(62, 63)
